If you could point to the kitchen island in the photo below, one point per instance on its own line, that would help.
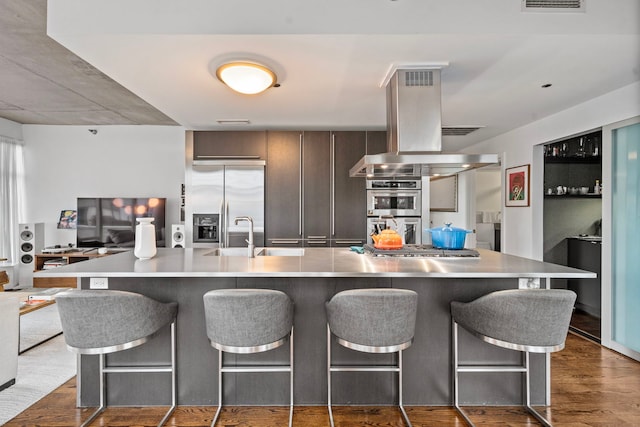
(310, 276)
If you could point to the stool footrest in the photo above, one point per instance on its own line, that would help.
(491, 368)
(132, 369)
(362, 368)
(256, 369)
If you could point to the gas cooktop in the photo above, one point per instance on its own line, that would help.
(422, 251)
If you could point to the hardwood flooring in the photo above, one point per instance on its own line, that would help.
(591, 386)
(586, 325)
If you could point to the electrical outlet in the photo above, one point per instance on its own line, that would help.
(529, 283)
(99, 283)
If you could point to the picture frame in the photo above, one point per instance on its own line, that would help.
(68, 219)
(517, 186)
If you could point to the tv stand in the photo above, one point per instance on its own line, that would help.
(46, 261)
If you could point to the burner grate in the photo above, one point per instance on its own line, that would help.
(422, 251)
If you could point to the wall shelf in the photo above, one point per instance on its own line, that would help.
(573, 196)
(579, 160)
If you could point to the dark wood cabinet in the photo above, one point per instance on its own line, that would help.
(316, 179)
(283, 201)
(586, 255)
(376, 142)
(349, 219)
(212, 145)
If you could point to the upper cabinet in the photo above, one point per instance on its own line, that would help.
(376, 142)
(220, 145)
(573, 167)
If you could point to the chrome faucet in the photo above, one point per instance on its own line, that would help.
(250, 241)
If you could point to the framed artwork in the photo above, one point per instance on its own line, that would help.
(517, 189)
(68, 219)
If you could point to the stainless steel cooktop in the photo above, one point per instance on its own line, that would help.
(421, 251)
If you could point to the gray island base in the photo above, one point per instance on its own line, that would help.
(185, 275)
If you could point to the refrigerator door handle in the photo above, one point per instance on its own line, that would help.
(226, 225)
(332, 160)
(221, 225)
(300, 190)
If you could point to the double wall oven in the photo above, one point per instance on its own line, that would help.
(395, 204)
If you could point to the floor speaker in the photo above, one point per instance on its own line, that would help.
(31, 240)
(177, 236)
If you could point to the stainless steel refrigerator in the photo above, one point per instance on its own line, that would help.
(223, 191)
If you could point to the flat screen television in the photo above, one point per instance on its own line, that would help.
(111, 222)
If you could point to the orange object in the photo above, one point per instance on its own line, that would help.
(387, 239)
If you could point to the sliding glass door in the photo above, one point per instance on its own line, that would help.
(623, 192)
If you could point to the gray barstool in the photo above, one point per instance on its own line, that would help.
(101, 322)
(526, 320)
(249, 321)
(373, 321)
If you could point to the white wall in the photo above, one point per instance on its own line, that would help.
(489, 190)
(521, 227)
(63, 163)
(10, 129)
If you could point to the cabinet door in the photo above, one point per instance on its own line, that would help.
(283, 204)
(349, 216)
(376, 142)
(212, 145)
(316, 168)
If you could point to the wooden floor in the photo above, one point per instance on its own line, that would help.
(591, 386)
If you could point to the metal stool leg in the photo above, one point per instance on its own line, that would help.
(404, 413)
(173, 376)
(215, 417)
(102, 393)
(456, 378)
(291, 377)
(532, 411)
(329, 375)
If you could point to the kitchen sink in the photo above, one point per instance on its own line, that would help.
(258, 252)
(280, 252)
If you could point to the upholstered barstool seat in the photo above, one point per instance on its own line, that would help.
(526, 320)
(379, 320)
(103, 321)
(246, 321)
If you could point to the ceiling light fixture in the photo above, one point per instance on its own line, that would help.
(245, 77)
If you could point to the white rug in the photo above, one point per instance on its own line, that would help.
(38, 326)
(40, 371)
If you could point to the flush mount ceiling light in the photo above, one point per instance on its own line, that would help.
(246, 77)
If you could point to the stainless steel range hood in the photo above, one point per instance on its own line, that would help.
(414, 132)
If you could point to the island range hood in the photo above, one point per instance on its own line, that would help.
(414, 133)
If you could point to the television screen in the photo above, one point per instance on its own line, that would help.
(111, 222)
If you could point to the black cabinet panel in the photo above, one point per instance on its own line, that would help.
(376, 142)
(221, 144)
(283, 224)
(316, 172)
(350, 209)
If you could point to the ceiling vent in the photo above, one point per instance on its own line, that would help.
(418, 78)
(553, 6)
(459, 130)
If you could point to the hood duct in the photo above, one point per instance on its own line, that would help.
(414, 133)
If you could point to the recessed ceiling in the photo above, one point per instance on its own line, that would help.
(331, 57)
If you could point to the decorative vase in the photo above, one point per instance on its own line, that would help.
(145, 246)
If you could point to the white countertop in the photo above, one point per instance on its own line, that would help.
(316, 262)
